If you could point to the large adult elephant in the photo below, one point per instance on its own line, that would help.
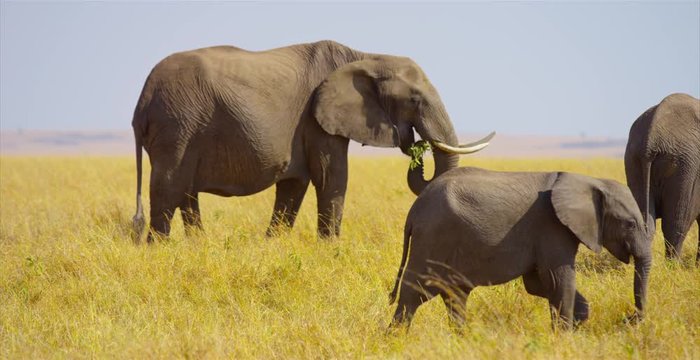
(662, 163)
(233, 122)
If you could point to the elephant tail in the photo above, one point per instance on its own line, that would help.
(648, 196)
(139, 220)
(404, 259)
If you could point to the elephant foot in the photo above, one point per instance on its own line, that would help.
(673, 250)
(277, 231)
(673, 255)
(328, 233)
(580, 309)
(156, 234)
(328, 238)
(634, 319)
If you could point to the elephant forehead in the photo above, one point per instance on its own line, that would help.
(412, 73)
(395, 87)
(621, 203)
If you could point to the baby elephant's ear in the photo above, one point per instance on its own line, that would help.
(578, 204)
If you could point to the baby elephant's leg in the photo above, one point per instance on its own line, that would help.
(410, 298)
(534, 286)
(563, 295)
(456, 303)
(580, 308)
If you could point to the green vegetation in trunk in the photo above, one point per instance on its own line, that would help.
(416, 151)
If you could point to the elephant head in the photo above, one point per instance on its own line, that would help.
(379, 101)
(603, 213)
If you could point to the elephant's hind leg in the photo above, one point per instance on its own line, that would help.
(288, 198)
(166, 195)
(163, 205)
(697, 256)
(456, 302)
(191, 217)
(411, 296)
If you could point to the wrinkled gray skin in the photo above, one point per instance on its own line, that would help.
(662, 163)
(233, 122)
(472, 227)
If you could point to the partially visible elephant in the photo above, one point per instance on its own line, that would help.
(472, 227)
(662, 163)
(233, 122)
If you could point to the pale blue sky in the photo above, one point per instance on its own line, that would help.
(515, 67)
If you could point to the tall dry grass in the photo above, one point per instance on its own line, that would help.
(72, 284)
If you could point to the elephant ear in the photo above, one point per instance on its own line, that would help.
(578, 204)
(348, 104)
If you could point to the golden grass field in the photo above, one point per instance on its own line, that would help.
(74, 285)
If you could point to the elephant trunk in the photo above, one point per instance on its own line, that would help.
(443, 163)
(642, 266)
(435, 126)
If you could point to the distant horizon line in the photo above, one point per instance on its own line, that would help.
(128, 129)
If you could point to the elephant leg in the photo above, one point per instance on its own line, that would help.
(697, 256)
(580, 308)
(191, 216)
(410, 298)
(163, 205)
(166, 195)
(673, 239)
(534, 286)
(329, 175)
(676, 212)
(456, 303)
(330, 212)
(562, 294)
(288, 198)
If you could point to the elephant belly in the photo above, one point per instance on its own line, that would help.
(225, 186)
(229, 170)
(495, 267)
(474, 261)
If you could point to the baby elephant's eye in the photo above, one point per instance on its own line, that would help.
(630, 224)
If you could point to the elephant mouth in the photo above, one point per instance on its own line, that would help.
(405, 148)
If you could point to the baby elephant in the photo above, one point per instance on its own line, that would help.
(473, 227)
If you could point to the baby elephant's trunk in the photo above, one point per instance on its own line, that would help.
(642, 266)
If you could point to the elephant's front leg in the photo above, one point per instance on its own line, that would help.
(329, 174)
(534, 286)
(563, 295)
(288, 198)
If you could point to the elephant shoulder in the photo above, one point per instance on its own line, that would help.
(676, 123)
(200, 60)
(680, 99)
(681, 107)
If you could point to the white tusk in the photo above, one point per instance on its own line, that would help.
(466, 148)
(486, 140)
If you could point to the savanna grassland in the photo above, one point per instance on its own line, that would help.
(73, 284)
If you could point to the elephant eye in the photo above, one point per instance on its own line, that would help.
(415, 99)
